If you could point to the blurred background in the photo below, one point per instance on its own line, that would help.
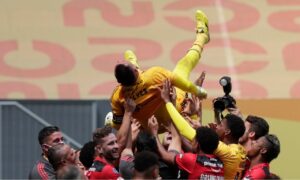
(57, 60)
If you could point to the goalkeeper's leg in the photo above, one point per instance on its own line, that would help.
(185, 65)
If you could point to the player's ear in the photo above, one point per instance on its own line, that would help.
(98, 149)
(45, 147)
(251, 135)
(263, 150)
(227, 132)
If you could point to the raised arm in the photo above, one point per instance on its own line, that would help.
(122, 134)
(175, 144)
(168, 157)
(180, 123)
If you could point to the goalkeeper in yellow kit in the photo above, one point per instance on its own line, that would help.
(141, 86)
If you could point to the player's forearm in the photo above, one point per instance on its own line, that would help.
(122, 134)
(168, 157)
(176, 140)
(181, 124)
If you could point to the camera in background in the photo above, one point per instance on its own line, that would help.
(226, 101)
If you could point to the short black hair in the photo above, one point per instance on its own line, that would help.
(258, 125)
(45, 132)
(100, 133)
(87, 153)
(207, 139)
(236, 126)
(146, 142)
(273, 147)
(144, 160)
(124, 75)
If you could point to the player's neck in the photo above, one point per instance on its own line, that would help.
(255, 161)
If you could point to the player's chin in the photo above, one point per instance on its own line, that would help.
(115, 154)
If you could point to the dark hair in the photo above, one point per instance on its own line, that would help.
(144, 160)
(207, 139)
(258, 125)
(100, 133)
(273, 147)
(125, 75)
(236, 126)
(146, 142)
(46, 132)
(56, 154)
(87, 153)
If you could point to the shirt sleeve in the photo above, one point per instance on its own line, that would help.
(186, 161)
(223, 151)
(181, 124)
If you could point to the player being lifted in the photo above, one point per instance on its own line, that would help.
(141, 86)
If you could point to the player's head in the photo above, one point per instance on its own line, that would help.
(146, 164)
(60, 155)
(207, 139)
(146, 142)
(256, 127)
(231, 127)
(126, 74)
(50, 136)
(87, 154)
(267, 147)
(106, 143)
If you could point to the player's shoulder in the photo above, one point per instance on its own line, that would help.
(116, 92)
(187, 155)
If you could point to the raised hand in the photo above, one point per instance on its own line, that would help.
(129, 105)
(194, 123)
(199, 81)
(236, 111)
(135, 129)
(212, 126)
(153, 125)
(173, 95)
(165, 91)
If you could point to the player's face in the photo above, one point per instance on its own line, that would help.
(245, 137)
(52, 140)
(221, 128)
(70, 155)
(110, 147)
(187, 108)
(256, 147)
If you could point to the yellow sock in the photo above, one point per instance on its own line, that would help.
(131, 57)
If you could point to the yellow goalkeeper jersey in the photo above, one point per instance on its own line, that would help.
(146, 96)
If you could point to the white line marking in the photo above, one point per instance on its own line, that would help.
(227, 48)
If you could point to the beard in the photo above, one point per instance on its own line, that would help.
(112, 155)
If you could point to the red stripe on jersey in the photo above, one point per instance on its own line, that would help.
(41, 171)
